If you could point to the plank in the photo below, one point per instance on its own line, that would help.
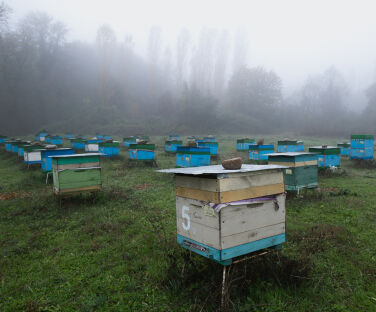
(247, 181)
(198, 232)
(78, 189)
(242, 218)
(225, 197)
(75, 166)
(197, 183)
(252, 235)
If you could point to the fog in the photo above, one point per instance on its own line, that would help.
(316, 56)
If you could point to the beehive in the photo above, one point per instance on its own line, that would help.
(41, 136)
(129, 140)
(290, 146)
(301, 172)
(260, 152)
(172, 145)
(33, 154)
(187, 156)
(8, 145)
(77, 143)
(107, 137)
(69, 136)
(16, 144)
(213, 147)
(3, 138)
(47, 154)
(56, 140)
(243, 144)
(328, 156)
(209, 138)
(142, 152)
(21, 149)
(109, 149)
(76, 173)
(92, 145)
(361, 146)
(223, 214)
(345, 148)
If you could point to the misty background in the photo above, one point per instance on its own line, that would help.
(159, 67)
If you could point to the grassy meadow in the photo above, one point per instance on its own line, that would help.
(117, 251)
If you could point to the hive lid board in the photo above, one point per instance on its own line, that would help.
(79, 155)
(218, 169)
(291, 154)
(321, 147)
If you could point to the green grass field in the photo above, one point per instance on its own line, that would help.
(117, 251)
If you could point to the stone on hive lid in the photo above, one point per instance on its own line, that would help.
(232, 164)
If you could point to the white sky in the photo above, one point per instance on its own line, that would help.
(295, 38)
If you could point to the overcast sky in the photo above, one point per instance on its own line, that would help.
(295, 38)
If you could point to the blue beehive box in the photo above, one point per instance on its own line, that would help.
(209, 139)
(109, 149)
(46, 156)
(223, 214)
(361, 146)
(8, 145)
(54, 139)
(328, 156)
(213, 146)
(3, 138)
(345, 148)
(69, 136)
(172, 145)
(260, 152)
(243, 144)
(92, 145)
(16, 144)
(99, 136)
(142, 152)
(127, 141)
(41, 136)
(107, 137)
(290, 146)
(77, 144)
(187, 156)
(21, 148)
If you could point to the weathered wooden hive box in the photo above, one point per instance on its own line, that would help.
(77, 143)
(41, 136)
(290, 146)
(129, 140)
(345, 148)
(213, 146)
(76, 173)
(243, 144)
(361, 146)
(260, 152)
(47, 155)
(188, 156)
(223, 214)
(109, 149)
(172, 145)
(3, 138)
(33, 154)
(142, 152)
(92, 145)
(328, 156)
(301, 172)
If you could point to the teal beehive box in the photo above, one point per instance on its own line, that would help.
(327, 156)
(300, 171)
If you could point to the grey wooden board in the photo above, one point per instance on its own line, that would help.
(242, 218)
(218, 169)
(291, 154)
(77, 155)
(196, 212)
(200, 233)
(252, 235)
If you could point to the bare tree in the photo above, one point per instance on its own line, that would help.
(240, 49)
(220, 66)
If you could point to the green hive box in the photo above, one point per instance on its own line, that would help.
(301, 172)
(76, 173)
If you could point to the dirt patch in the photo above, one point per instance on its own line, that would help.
(14, 195)
(144, 186)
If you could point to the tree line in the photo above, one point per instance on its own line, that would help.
(195, 86)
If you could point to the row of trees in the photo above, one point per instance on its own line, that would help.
(196, 87)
